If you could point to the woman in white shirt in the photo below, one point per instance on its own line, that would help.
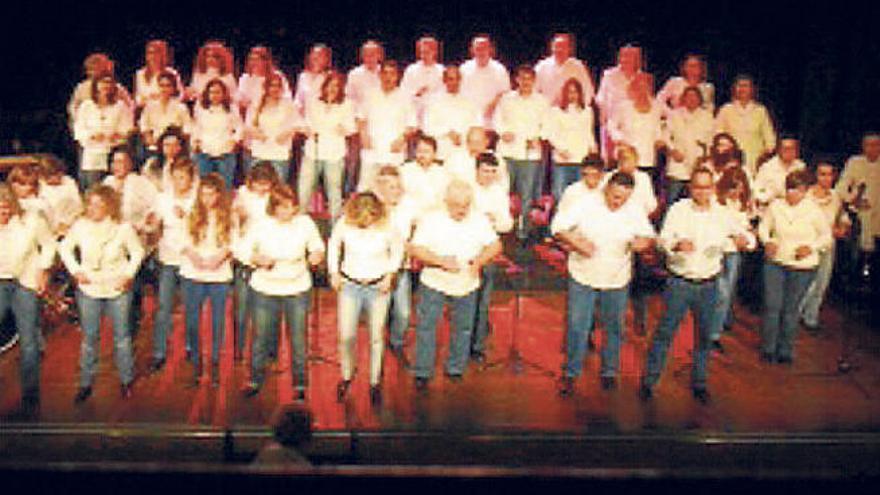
(101, 123)
(24, 180)
(570, 132)
(96, 64)
(170, 146)
(364, 254)
(216, 132)
(692, 75)
(214, 61)
(27, 249)
(162, 111)
(270, 126)
(157, 60)
(282, 248)
(206, 269)
(794, 232)
(173, 207)
(690, 128)
(329, 121)
(110, 254)
(318, 64)
(61, 195)
(252, 83)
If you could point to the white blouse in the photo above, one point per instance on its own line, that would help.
(158, 116)
(93, 120)
(216, 130)
(331, 123)
(287, 244)
(571, 130)
(364, 254)
(790, 227)
(109, 254)
(148, 91)
(280, 119)
(27, 247)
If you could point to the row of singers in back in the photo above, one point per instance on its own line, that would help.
(418, 215)
(257, 117)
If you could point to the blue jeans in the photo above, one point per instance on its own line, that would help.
(332, 171)
(354, 298)
(563, 176)
(484, 297)
(681, 295)
(815, 295)
(462, 315)
(581, 311)
(223, 164)
(90, 311)
(295, 310)
(88, 178)
(401, 309)
(784, 289)
(169, 283)
(194, 295)
(282, 167)
(25, 307)
(524, 179)
(726, 287)
(675, 190)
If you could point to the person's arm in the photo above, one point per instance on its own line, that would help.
(768, 134)
(314, 244)
(674, 236)
(66, 250)
(47, 246)
(766, 232)
(135, 251)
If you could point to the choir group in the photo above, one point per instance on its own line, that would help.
(422, 173)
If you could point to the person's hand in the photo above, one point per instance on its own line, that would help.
(336, 281)
(81, 278)
(282, 138)
(584, 246)
(474, 269)
(676, 155)
(507, 137)
(315, 258)
(770, 249)
(840, 230)
(397, 145)
(262, 261)
(42, 282)
(124, 283)
(384, 285)
(640, 244)
(684, 246)
(741, 242)
(149, 140)
(563, 155)
(659, 145)
(449, 264)
(178, 212)
(366, 142)
(99, 137)
(802, 252)
(454, 137)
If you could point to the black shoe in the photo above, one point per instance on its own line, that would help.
(812, 329)
(768, 357)
(786, 360)
(299, 394)
(215, 375)
(375, 395)
(478, 357)
(566, 386)
(30, 404)
(702, 395)
(608, 383)
(189, 356)
(82, 394)
(646, 392)
(251, 390)
(716, 346)
(454, 378)
(421, 383)
(125, 391)
(342, 389)
(156, 365)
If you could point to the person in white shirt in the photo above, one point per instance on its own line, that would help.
(281, 248)
(643, 195)
(449, 114)
(859, 188)
(826, 198)
(318, 64)
(570, 132)
(110, 254)
(491, 198)
(520, 120)
(748, 122)
(613, 90)
(484, 80)
(602, 234)
(401, 213)
(692, 75)
(794, 232)
(592, 173)
(95, 65)
(426, 178)
(271, 123)
(213, 61)
(252, 84)
(61, 195)
(723, 150)
(461, 164)
(329, 120)
(690, 128)
(170, 146)
(249, 209)
(637, 122)
(173, 207)
(206, 269)
(386, 120)
(695, 232)
(364, 79)
(102, 122)
(217, 131)
(24, 180)
(157, 60)
(556, 70)
(424, 78)
(161, 112)
(454, 245)
(363, 255)
(27, 250)
(770, 181)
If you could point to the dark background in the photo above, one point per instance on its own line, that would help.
(817, 66)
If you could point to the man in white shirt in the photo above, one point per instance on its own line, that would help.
(613, 90)
(386, 120)
(694, 234)
(603, 235)
(770, 181)
(690, 128)
(592, 173)
(365, 77)
(425, 179)
(454, 244)
(449, 114)
(520, 119)
(553, 71)
(483, 79)
(492, 198)
(748, 122)
(859, 187)
(423, 78)
(462, 163)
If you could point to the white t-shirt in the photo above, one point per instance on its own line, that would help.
(288, 245)
(482, 84)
